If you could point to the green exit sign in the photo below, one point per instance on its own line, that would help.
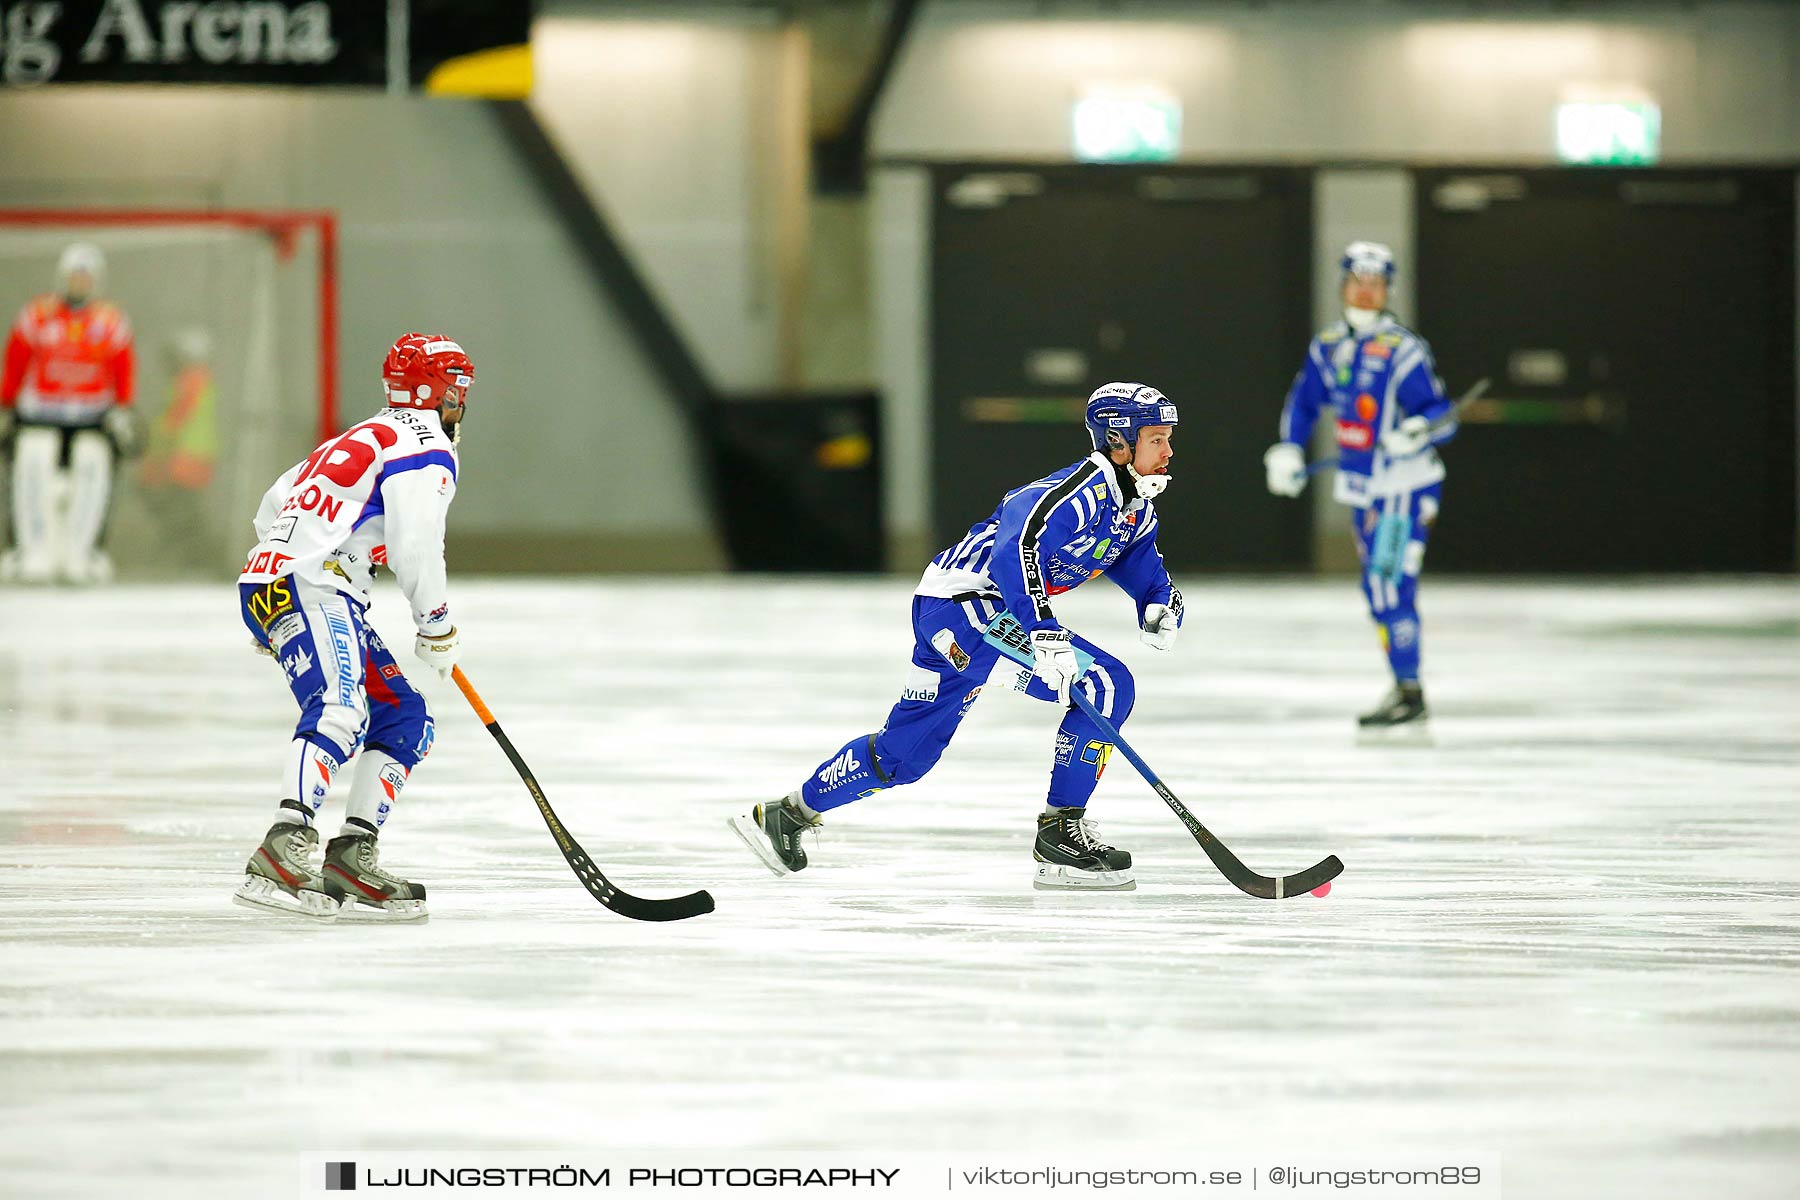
(1615, 132)
(1126, 127)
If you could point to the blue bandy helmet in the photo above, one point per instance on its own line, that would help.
(1368, 258)
(1119, 410)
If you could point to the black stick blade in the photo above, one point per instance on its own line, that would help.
(1242, 877)
(638, 908)
(676, 908)
(1305, 881)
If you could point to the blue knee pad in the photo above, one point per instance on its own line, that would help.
(1082, 751)
(400, 721)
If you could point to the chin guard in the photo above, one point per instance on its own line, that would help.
(1149, 487)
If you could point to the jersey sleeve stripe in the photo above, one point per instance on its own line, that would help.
(1035, 522)
(415, 462)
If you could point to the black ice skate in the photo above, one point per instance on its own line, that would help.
(1404, 706)
(1070, 854)
(773, 832)
(362, 890)
(280, 876)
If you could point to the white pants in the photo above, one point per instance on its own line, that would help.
(57, 512)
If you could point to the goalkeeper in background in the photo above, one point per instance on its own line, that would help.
(65, 396)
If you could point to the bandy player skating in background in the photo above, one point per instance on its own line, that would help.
(375, 496)
(1378, 379)
(1094, 517)
(65, 394)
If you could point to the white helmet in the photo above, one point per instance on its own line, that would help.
(80, 256)
(1368, 258)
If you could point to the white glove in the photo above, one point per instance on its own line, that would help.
(1161, 624)
(1286, 467)
(1407, 438)
(438, 653)
(1054, 661)
(122, 428)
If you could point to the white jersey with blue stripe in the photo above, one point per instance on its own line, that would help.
(1054, 534)
(376, 495)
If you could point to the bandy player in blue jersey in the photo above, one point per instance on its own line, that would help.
(1092, 518)
(1377, 379)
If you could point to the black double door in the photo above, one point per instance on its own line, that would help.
(1639, 329)
(1049, 281)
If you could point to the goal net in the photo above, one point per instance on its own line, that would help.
(233, 317)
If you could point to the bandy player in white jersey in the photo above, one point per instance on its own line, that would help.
(376, 495)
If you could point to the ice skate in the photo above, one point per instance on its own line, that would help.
(1070, 854)
(773, 832)
(88, 568)
(280, 876)
(362, 890)
(1402, 710)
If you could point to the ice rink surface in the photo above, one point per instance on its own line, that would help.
(1568, 932)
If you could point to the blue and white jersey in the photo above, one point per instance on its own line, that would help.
(1053, 535)
(1371, 381)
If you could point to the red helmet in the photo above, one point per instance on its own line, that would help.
(427, 370)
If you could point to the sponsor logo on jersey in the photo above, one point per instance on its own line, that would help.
(314, 499)
(284, 630)
(1377, 349)
(969, 700)
(269, 562)
(1366, 407)
(272, 600)
(944, 642)
(1065, 749)
(426, 739)
(840, 769)
(341, 640)
(298, 665)
(390, 671)
(922, 686)
(1096, 755)
(1354, 435)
